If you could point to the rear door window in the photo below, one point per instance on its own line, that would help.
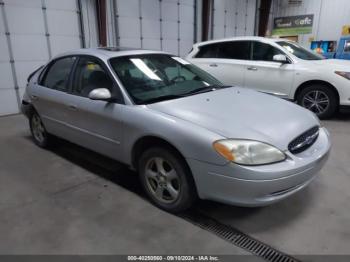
(57, 76)
(235, 50)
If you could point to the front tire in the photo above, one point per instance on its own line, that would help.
(38, 131)
(319, 99)
(167, 179)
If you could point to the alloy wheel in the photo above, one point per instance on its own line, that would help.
(38, 129)
(316, 101)
(162, 180)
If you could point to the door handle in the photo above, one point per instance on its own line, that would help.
(72, 107)
(33, 97)
(252, 68)
(213, 65)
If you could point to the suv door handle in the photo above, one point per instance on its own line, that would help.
(72, 107)
(213, 65)
(252, 68)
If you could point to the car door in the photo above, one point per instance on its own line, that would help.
(50, 98)
(264, 74)
(97, 124)
(225, 60)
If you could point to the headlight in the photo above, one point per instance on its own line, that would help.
(248, 152)
(343, 74)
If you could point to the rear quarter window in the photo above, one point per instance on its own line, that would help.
(33, 73)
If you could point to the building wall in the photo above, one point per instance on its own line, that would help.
(329, 17)
(167, 25)
(233, 18)
(31, 32)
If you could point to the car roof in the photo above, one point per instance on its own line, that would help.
(241, 38)
(105, 53)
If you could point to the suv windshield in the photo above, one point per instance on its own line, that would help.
(299, 51)
(152, 78)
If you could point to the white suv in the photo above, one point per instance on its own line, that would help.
(279, 67)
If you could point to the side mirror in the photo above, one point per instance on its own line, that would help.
(100, 94)
(280, 58)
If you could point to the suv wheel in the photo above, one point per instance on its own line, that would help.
(319, 99)
(39, 134)
(167, 180)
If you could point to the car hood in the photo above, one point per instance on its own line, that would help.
(334, 64)
(241, 113)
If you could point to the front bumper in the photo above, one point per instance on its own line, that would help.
(261, 185)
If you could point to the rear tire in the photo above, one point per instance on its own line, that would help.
(320, 99)
(167, 179)
(38, 131)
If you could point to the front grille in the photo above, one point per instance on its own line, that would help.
(304, 141)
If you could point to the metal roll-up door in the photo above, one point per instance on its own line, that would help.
(63, 25)
(233, 18)
(156, 24)
(8, 100)
(31, 32)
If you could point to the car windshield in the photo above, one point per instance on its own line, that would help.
(150, 78)
(299, 51)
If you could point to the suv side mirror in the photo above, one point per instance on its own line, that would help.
(280, 58)
(100, 94)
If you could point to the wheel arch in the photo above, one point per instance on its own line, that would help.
(146, 142)
(28, 109)
(312, 82)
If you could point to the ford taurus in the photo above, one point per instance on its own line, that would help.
(185, 133)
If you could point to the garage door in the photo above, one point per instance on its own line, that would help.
(32, 31)
(233, 18)
(153, 24)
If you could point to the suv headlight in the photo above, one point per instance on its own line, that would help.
(248, 152)
(343, 74)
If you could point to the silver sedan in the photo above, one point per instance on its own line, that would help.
(186, 134)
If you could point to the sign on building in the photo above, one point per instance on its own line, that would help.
(293, 25)
(345, 30)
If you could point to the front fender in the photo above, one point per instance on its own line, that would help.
(192, 141)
